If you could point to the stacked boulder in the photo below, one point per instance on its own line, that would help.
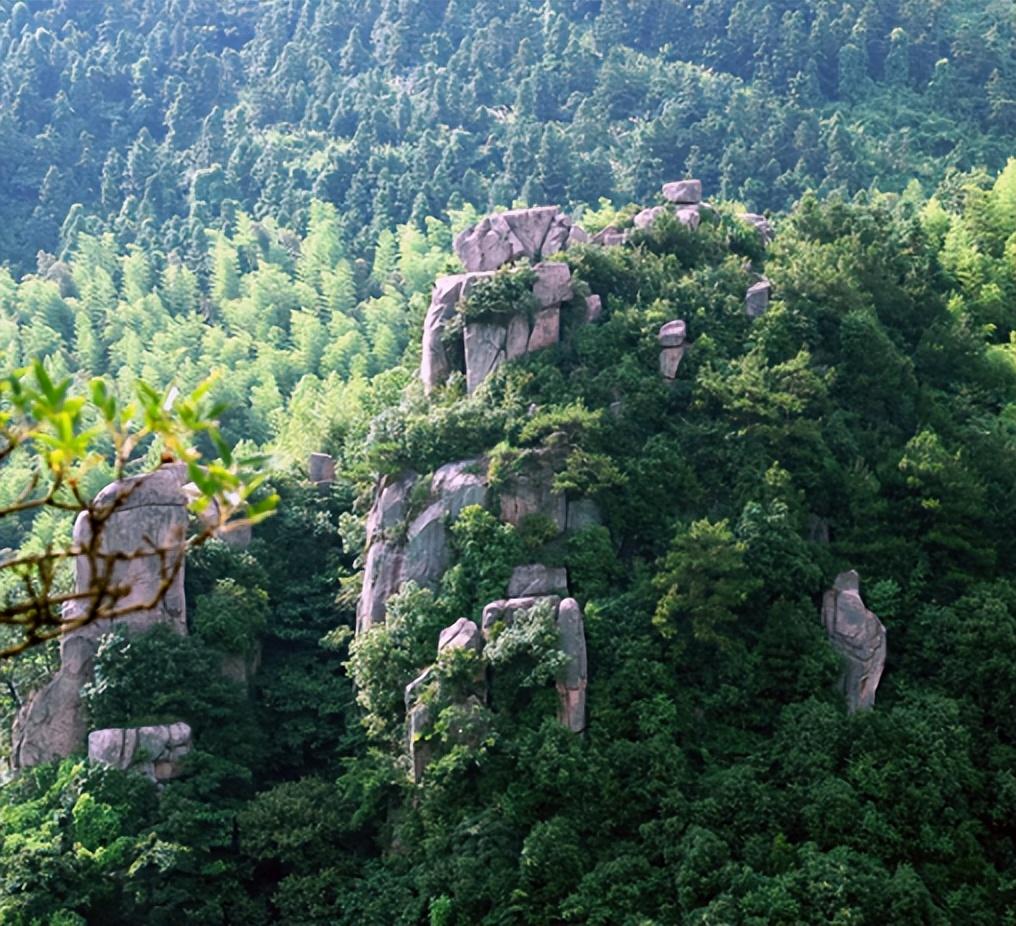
(672, 347)
(505, 237)
(684, 200)
(858, 636)
(155, 752)
(139, 555)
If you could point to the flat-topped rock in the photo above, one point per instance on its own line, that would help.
(537, 579)
(683, 191)
(858, 636)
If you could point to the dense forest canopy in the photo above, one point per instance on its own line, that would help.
(269, 190)
(158, 120)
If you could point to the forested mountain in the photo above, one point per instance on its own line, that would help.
(162, 119)
(270, 192)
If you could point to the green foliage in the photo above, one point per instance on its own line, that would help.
(231, 616)
(508, 292)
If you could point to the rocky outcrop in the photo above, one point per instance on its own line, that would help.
(477, 347)
(529, 490)
(139, 552)
(572, 678)
(756, 300)
(155, 752)
(761, 225)
(403, 544)
(858, 636)
(537, 579)
(502, 613)
(505, 237)
(672, 347)
(321, 469)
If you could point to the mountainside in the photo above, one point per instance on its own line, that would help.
(641, 559)
(160, 119)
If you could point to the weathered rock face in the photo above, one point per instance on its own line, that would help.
(477, 347)
(761, 224)
(419, 553)
(155, 752)
(672, 347)
(537, 579)
(572, 679)
(858, 636)
(463, 634)
(756, 300)
(321, 469)
(683, 191)
(520, 233)
(594, 309)
(531, 490)
(504, 610)
(144, 515)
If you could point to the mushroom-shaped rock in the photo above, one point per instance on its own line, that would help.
(155, 752)
(683, 191)
(507, 236)
(463, 634)
(673, 333)
(321, 469)
(858, 636)
(537, 579)
(756, 300)
(572, 678)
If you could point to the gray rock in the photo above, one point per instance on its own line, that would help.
(546, 329)
(583, 513)
(858, 636)
(761, 224)
(689, 216)
(504, 610)
(573, 676)
(414, 690)
(756, 300)
(321, 469)
(609, 237)
(529, 491)
(537, 579)
(683, 191)
(517, 338)
(438, 357)
(577, 235)
(508, 236)
(673, 333)
(420, 552)
(486, 346)
(670, 360)
(553, 284)
(647, 217)
(463, 634)
(594, 309)
(156, 752)
(145, 519)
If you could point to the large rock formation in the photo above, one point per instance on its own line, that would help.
(672, 347)
(572, 679)
(504, 237)
(137, 549)
(529, 490)
(478, 346)
(404, 544)
(155, 752)
(859, 638)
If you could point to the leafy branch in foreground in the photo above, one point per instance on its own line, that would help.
(62, 435)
